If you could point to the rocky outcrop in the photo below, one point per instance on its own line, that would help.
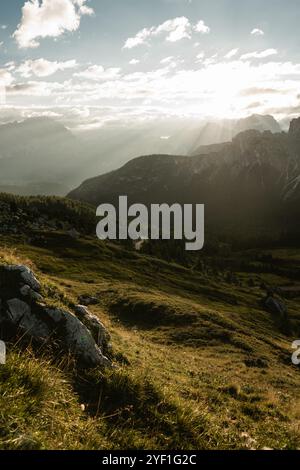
(275, 306)
(87, 300)
(295, 127)
(22, 311)
(95, 326)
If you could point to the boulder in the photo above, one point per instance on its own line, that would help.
(21, 311)
(87, 300)
(275, 306)
(96, 327)
(22, 275)
(73, 233)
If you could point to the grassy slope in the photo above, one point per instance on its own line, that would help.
(199, 363)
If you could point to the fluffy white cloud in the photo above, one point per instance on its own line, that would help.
(201, 27)
(37, 89)
(194, 91)
(263, 87)
(259, 55)
(43, 67)
(167, 60)
(48, 18)
(175, 30)
(134, 62)
(6, 77)
(172, 62)
(140, 38)
(97, 72)
(257, 32)
(231, 53)
(200, 56)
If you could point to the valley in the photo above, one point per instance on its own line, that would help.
(42, 155)
(201, 342)
(200, 361)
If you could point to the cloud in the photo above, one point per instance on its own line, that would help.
(140, 38)
(37, 89)
(97, 72)
(175, 30)
(201, 27)
(6, 77)
(190, 91)
(259, 55)
(43, 67)
(167, 60)
(20, 89)
(257, 32)
(200, 57)
(48, 18)
(197, 91)
(171, 62)
(259, 91)
(134, 62)
(231, 53)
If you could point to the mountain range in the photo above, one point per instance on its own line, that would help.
(41, 156)
(251, 182)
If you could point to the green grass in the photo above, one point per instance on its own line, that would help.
(199, 363)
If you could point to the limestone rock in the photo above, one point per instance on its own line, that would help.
(21, 311)
(24, 275)
(96, 327)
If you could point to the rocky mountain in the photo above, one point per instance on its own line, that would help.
(254, 179)
(41, 156)
(226, 130)
(110, 147)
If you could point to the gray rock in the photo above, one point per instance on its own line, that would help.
(87, 300)
(275, 306)
(21, 311)
(25, 276)
(20, 315)
(26, 291)
(96, 327)
(73, 234)
(78, 339)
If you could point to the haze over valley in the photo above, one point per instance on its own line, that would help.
(41, 156)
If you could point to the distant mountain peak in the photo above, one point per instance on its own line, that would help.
(295, 127)
(225, 131)
(253, 178)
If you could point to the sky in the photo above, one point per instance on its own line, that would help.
(92, 63)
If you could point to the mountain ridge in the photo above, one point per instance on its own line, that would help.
(43, 149)
(260, 170)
